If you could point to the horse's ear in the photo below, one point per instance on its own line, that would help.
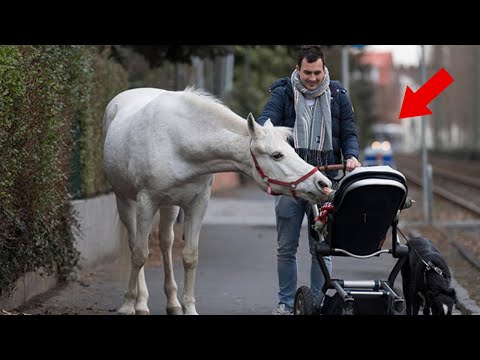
(253, 128)
(268, 123)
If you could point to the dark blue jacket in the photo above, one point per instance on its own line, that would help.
(280, 110)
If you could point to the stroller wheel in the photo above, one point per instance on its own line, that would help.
(303, 302)
(348, 308)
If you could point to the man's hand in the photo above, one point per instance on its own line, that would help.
(352, 163)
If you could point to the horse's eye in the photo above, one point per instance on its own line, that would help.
(277, 155)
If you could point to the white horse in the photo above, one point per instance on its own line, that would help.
(161, 150)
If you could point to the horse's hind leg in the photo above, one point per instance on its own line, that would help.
(136, 295)
(167, 219)
(127, 214)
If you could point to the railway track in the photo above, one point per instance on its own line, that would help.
(457, 182)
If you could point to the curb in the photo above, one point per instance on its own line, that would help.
(466, 305)
(26, 287)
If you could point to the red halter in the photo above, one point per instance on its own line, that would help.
(292, 185)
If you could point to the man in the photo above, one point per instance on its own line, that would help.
(321, 115)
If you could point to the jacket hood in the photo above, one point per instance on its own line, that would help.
(285, 83)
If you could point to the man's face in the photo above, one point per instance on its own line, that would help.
(311, 74)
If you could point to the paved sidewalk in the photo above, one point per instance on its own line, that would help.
(237, 269)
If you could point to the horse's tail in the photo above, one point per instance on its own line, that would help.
(108, 116)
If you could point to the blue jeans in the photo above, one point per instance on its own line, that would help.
(289, 216)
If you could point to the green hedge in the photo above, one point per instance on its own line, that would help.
(109, 79)
(43, 89)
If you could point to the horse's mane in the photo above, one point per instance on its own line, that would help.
(212, 104)
(282, 131)
(192, 90)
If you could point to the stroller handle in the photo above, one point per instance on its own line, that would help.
(334, 167)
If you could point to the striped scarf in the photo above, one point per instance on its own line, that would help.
(313, 124)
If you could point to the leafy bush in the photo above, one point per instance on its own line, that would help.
(43, 89)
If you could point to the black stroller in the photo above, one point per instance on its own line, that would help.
(366, 204)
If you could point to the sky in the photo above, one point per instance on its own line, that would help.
(402, 54)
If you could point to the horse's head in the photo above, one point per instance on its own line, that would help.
(278, 168)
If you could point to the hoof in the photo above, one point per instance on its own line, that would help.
(191, 313)
(175, 311)
(142, 312)
(126, 311)
(142, 309)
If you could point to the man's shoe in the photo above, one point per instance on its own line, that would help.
(281, 310)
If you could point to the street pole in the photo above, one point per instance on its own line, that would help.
(345, 68)
(476, 105)
(427, 200)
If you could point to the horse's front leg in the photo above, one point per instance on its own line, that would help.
(141, 303)
(166, 235)
(145, 213)
(193, 222)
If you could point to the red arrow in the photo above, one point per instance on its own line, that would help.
(415, 103)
